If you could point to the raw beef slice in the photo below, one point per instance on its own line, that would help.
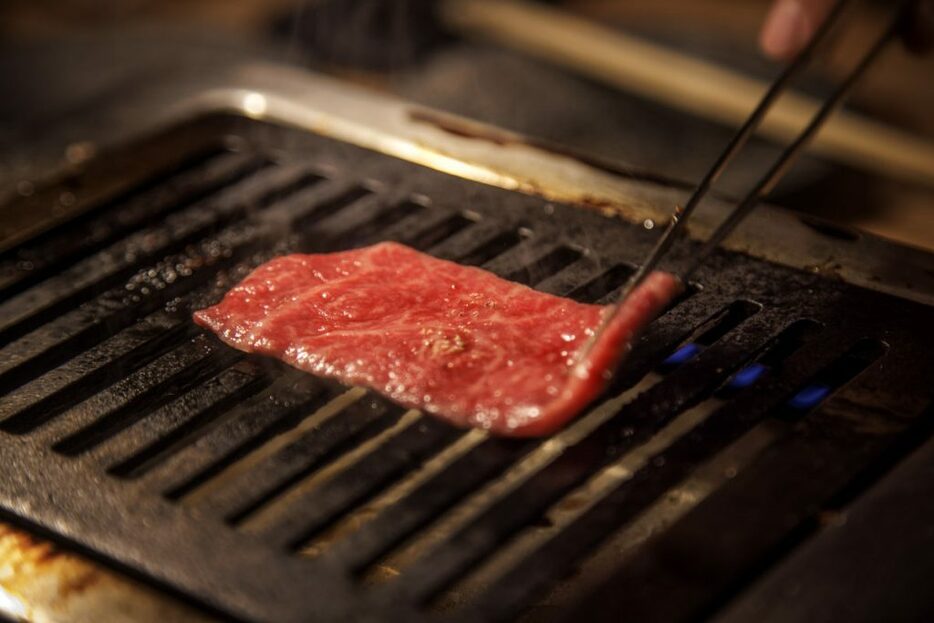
(455, 341)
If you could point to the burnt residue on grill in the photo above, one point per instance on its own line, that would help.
(29, 556)
(41, 581)
(465, 128)
(121, 418)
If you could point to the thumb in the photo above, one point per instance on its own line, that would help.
(790, 24)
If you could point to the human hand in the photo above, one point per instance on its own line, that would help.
(790, 24)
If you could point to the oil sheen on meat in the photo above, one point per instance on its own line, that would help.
(455, 341)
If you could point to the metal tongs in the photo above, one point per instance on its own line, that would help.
(765, 185)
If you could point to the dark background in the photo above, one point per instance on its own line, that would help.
(57, 56)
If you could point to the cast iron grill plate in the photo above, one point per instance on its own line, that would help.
(763, 401)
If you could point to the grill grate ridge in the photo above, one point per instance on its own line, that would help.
(160, 370)
(602, 285)
(331, 206)
(95, 321)
(438, 232)
(181, 421)
(545, 265)
(122, 217)
(19, 261)
(307, 514)
(146, 402)
(107, 268)
(756, 534)
(492, 248)
(145, 291)
(437, 569)
(371, 229)
(361, 420)
(437, 495)
(43, 399)
(519, 585)
(250, 428)
(285, 487)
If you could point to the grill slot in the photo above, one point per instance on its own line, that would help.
(450, 485)
(146, 403)
(438, 232)
(137, 386)
(371, 229)
(835, 376)
(85, 375)
(143, 207)
(308, 514)
(362, 420)
(604, 284)
(464, 241)
(495, 246)
(107, 268)
(214, 393)
(416, 510)
(570, 277)
(302, 181)
(437, 569)
(247, 429)
(230, 462)
(332, 206)
(386, 429)
(163, 430)
(146, 291)
(545, 265)
(213, 486)
(720, 424)
(333, 233)
(754, 534)
(728, 320)
(709, 333)
(771, 361)
(95, 321)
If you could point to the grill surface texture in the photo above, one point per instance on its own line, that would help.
(749, 418)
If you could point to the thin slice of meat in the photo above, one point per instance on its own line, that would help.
(455, 341)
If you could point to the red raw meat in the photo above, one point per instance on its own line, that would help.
(455, 341)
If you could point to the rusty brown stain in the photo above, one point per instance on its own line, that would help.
(46, 554)
(79, 583)
(597, 203)
(463, 128)
(29, 558)
(30, 550)
(52, 583)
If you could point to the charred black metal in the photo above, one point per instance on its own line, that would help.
(120, 418)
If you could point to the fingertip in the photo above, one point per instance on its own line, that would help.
(773, 44)
(786, 30)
